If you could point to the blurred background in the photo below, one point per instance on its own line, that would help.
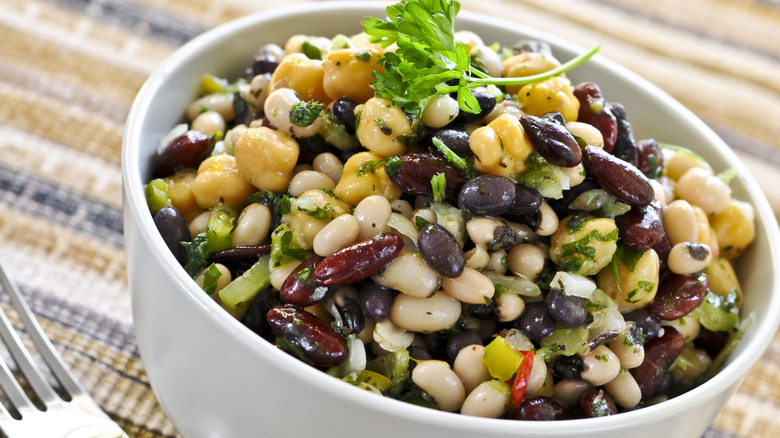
(69, 70)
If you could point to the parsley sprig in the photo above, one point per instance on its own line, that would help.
(428, 57)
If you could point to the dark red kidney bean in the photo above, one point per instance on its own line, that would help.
(376, 300)
(305, 334)
(460, 340)
(184, 151)
(174, 230)
(650, 159)
(641, 228)
(595, 111)
(487, 195)
(552, 141)
(527, 200)
(440, 251)
(663, 248)
(625, 145)
(616, 176)
(597, 403)
(535, 321)
(343, 110)
(678, 295)
(542, 408)
(455, 139)
(567, 367)
(358, 261)
(299, 289)
(659, 355)
(412, 173)
(646, 322)
(486, 103)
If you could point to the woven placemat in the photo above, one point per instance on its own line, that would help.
(69, 70)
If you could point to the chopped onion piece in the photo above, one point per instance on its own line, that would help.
(573, 284)
(516, 284)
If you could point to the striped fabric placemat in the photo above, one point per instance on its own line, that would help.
(69, 70)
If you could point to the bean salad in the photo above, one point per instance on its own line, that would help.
(499, 248)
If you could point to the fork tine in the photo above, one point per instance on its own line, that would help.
(20, 354)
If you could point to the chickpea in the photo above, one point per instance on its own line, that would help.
(305, 226)
(635, 287)
(723, 279)
(364, 175)
(381, 127)
(349, 72)
(584, 245)
(526, 64)
(735, 228)
(302, 75)
(501, 147)
(218, 181)
(180, 192)
(550, 95)
(266, 158)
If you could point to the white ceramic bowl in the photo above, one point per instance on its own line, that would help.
(215, 378)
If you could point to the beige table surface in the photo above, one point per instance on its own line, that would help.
(69, 70)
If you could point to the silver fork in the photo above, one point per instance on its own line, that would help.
(81, 417)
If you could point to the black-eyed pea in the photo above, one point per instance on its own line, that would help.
(488, 400)
(440, 111)
(481, 230)
(509, 306)
(477, 257)
(218, 181)
(341, 231)
(470, 287)
(209, 122)
(570, 391)
(677, 163)
(629, 350)
(537, 379)
(391, 337)
(266, 158)
(470, 366)
(600, 366)
(624, 390)
(382, 127)
(329, 164)
(701, 187)
(687, 258)
(425, 315)
(252, 226)
(577, 232)
(437, 379)
(735, 228)
(219, 102)
(526, 260)
(301, 74)
(636, 287)
(402, 207)
(549, 223)
(409, 274)
(680, 222)
(587, 132)
(309, 180)
(372, 214)
(688, 326)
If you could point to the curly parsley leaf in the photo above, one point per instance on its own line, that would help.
(303, 114)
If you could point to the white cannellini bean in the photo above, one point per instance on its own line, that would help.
(306, 180)
(549, 222)
(699, 186)
(624, 390)
(487, 400)
(470, 366)
(410, 275)
(470, 287)
(436, 378)
(477, 257)
(390, 337)
(372, 213)
(252, 226)
(209, 122)
(510, 306)
(425, 315)
(680, 222)
(340, 232)
(526, 260)
(570, 391)
(329, 164)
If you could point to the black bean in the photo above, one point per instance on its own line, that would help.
(484, 312)
(459, 340)
(567, 367)
(412, 172)
(455, 139)
(562, 206)
(418, 352)
(552, 141)
(344, 110)
(174, 229)
(376, 300)
(441, 251)
(568, 310)
(487, 195)
(542, 408)
(535, 322)
(527, 200)
(255, 319)
(486, 102)
(648, 324)
(625, 146)
(555, 117)
(264, 61)
(351, 315)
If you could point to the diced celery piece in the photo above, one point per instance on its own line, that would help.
(218, 229)
(714, 313)
(565, 341)
(157, 196)
(394, 366)
(237, 295)
(211, 84)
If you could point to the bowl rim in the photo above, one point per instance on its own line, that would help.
(135, 204)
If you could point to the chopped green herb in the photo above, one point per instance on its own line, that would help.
(439, 186)
(464, 166)
(210, 277)
(283, 249)
(303, 114)
(311, 51)
(369, 166)
(364, 56)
